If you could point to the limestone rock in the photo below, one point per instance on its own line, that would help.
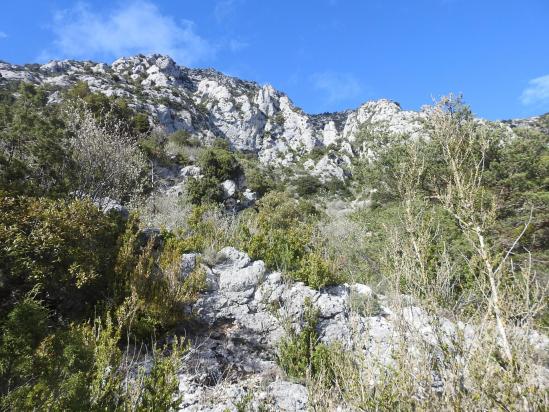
(190, 171)
(229, 188)
(209, 105)
(188, 264)
(289, 396)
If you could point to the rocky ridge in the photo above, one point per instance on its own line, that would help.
(208, 104)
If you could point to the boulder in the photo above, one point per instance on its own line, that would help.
(187, 265)
(288, 396)
(190, 171)
(229, 188)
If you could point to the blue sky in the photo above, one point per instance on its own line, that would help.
(327, 55)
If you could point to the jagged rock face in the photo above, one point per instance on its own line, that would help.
(210, 105)
(246, 312)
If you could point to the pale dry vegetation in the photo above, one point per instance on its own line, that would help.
(465, 323)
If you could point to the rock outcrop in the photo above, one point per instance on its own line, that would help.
(247, 310)
(208, 104)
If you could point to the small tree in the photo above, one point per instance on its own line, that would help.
(464, 144)
(107, 158)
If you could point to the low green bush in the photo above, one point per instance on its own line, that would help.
(79, 367)
(307, 185)
(283, 231)
(301, 355)
(218, 163)
(315, 271)
(204, 190)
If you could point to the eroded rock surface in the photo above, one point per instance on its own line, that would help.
(246, 312)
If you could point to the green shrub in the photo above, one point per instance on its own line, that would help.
(182, 138)
(258, 179)
(149, 286)
(80, 367)
(281, 249)
(33, 155)
(218, 163)
(66, 248)
(315, 272)
(141, 123)
(152, 146)
(301, 355)
(318, 152)
(203, 190)
(307, 185)
(283, 231)
(279, 119)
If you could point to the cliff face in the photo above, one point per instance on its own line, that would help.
(209, 105)
(251, 117)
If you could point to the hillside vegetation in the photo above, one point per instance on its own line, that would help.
(94, 305)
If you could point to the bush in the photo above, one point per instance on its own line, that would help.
(79, 367)
(109, 110)
(140, 123)
(301, 355)
(66, 248)
(315, 272)
(107, 158)
(218, 163)
(33, 155)
(204, 189)
(149, 284)
(307, 185)
(283, 235)
(258, 179)
(183, 138)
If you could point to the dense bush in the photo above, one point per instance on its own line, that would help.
(204, 189)
(109, 110)
(63, 262)
(149, 284)
(79, 367)
(283, 232)
(282, 238)
(33, 159)
(307, 185)
(107, 159)
(87, 145)
(66, 249)
(217, 164)
(315, 271)
(259, 178)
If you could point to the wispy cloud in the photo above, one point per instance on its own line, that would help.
(537, 91)
(3, 35)
(226, 9)
(237, 45)
(136, 27)
(337, 87)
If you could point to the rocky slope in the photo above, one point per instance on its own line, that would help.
(209, 104)
(247, 310)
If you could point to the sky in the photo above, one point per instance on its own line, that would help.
(326, 55)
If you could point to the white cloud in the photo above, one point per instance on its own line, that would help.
(136, 27)
(337, 87)
(3, 35)
(537, 91)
